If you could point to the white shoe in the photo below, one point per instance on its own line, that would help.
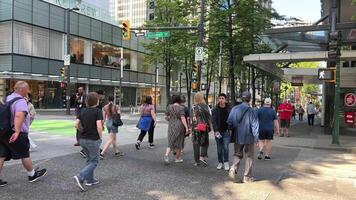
(226, 166)
(178, 160)
(220, 166)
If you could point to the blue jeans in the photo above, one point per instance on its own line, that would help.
(222, 145)
(91, 149)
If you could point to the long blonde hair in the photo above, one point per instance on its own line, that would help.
(199, 98)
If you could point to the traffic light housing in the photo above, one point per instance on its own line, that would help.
(334, 45)
(126, 30)
(195, 71)
(63, 71)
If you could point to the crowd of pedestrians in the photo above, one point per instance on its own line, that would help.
(243, 125)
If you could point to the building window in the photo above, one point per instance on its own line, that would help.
(5, 42)
(151, 16)
(106, 55)
(56, 45)
(40, 42)
(22, 39)
(80, 51)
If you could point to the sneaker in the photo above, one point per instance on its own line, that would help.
(79, 183)
(248, 179)
(281, 135)
(226, 166)
(2, 183)
(38, 174)
(137, 145)
(220, 166)
(76, 144)
(196, 164)
(96, 182)
(82, 154)
(205, 163)
(166, 160)
(178, 161)
(101, 156)
(118, 154)
(232, 174)
(260, 155)
(267, 158)
(152, 146)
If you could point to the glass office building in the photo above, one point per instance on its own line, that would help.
(33, 43)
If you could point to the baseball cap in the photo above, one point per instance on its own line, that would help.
(246, 94)
(268, 101)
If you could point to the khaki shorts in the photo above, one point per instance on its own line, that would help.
(285, 123)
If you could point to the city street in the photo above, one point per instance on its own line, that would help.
(298, 170)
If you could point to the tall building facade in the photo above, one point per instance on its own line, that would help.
(33, 43)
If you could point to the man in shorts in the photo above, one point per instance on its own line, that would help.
(16, 145)
(285, 110)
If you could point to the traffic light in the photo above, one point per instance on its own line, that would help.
(126, 30)
(64, 98)
(334, 45)
(195, 70)
(63, 71)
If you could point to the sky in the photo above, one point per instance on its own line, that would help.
(308, 10)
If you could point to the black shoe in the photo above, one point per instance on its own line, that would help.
(38, 174)
(152, 146)
(79, 183)
(204, 162)
(118, 154)
(267, 158)
(137, 145)
(260, 155)
(2, 183)
(101, 156)
(82, 154)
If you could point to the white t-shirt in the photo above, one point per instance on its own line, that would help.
(310, 109)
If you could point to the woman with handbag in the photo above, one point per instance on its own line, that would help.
(201, 126)
(111, 113)
(177, 129)
(146, 123)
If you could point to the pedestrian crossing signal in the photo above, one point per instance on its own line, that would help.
(126, 30)
(63, 72)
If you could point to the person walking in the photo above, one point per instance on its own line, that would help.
(110, 112)
(244, 120)
(301, 112)
(268, 122)
(14, 143)
(222, 135)
(147, 122)
(177, 129)
(89, 122)
(311, 113)
(285, 113)
(294, 112)
(187, 118)
(32, 112)
(80, 99)
(201, 126)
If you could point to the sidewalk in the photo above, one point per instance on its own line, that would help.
(299, 170)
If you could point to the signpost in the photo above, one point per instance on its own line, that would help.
(199, 53)
(67, 59)
(157, 35)
(140, 34)
(297, 81)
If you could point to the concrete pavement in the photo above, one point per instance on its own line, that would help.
(299, 169)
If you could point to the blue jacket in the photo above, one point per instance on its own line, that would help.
(247, 130)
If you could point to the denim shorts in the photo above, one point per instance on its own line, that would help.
(110, 127)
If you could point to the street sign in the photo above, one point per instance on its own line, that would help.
(67, 60)
(349, 117)
(199, 53)
(140, 34)
(297, 81)
(350, 99)
(157, 35)
(326, 74)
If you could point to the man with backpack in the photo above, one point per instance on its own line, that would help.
(14, 127)
(244, 120)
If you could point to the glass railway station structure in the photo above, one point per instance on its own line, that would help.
(33, 44)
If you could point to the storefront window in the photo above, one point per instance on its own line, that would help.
(143, 92)
(106, 55)
(81, 51)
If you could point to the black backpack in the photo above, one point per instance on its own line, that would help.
(5, 117)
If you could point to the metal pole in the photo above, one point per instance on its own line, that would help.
(220, 73)
(121, 73)
(68, 67)
(156, 81)
(201, 39)
(180, 83)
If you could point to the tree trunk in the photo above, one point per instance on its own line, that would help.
(231, 58)
(253, 84)
(188, 82)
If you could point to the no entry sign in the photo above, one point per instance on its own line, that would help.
(350, 99)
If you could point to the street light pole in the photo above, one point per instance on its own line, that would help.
(201, 39)
(156, 81)
(121, 74)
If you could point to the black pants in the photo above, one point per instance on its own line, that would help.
(150, 133)
(300, 117)
(311, 119)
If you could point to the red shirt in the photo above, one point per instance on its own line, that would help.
(286, 115)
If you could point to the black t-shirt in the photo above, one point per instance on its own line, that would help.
(88, 118)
